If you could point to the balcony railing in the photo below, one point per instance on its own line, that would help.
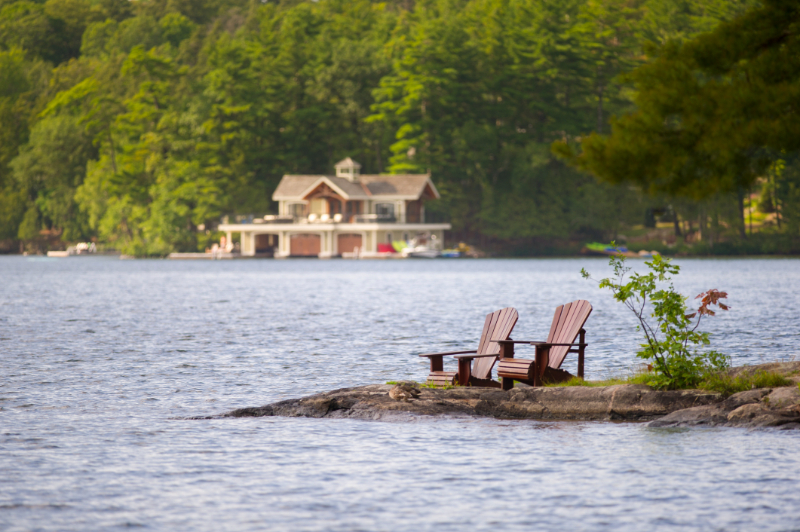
(273, 219)
(374, 218)
(338, 219)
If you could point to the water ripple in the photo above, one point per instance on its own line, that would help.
(101, 358)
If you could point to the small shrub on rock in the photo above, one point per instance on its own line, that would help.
(670, 329)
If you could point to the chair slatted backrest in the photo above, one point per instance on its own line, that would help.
(567, 323)
(497, 326)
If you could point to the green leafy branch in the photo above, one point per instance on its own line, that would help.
(670, 329)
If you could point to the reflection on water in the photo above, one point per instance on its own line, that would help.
(99, 356)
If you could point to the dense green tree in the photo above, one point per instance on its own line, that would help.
(25, 25)
(49, 169)
(679, 20)
(20, 82)
(135, 122)
(96, 38)
(117, 10)
(51, 31)
(709, 111)
(69, 18)
(478, 93)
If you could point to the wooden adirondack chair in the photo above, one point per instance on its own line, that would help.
(567, 325)
(497, 326)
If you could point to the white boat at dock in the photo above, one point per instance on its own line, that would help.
(421, 252)
(82, 248)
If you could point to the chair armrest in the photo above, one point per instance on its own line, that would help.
(545, 344)
(548, 344)
(565, 345)
(447, 353)
(478, 356)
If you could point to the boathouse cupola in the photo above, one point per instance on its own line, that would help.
(348, 169)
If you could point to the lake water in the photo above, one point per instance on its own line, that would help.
(100, 358)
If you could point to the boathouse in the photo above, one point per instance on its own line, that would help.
(348, 213)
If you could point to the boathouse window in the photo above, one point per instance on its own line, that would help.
(385, 210)
(297, 209)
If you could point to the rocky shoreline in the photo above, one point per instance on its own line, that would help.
(764, 407)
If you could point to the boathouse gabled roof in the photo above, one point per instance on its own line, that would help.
(375, 187)
(340, 185)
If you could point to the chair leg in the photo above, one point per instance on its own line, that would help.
(581, 350)
(464, 371)
(542, 358)
(437, 363)
(507, 351)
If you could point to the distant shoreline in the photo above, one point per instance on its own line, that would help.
(498, 256)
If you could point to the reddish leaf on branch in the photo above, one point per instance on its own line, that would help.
(712, 297)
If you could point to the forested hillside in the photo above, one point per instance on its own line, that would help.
(135, 122)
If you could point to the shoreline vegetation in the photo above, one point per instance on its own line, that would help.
(727, 382)
(767, 405)
(759, 245)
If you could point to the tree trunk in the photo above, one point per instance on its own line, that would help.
(742, 227)
(715, 236)
(774, 192)
(676, 223)
(702, 224)
(113, 153)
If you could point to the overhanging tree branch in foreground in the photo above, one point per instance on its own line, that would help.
(711, 114)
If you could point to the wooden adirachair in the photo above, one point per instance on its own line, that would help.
(568, 322)
(497, 326)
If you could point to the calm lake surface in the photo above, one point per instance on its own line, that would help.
(100, 358)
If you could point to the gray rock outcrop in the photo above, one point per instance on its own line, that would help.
(779, 407)
(619, 403)
(764, 407)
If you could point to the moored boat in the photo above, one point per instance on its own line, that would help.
(421, 252)
(596, 248)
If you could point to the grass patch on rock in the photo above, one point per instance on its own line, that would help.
(639, 378)
(727, 384)
(429, 385)
(721, 382)
(435, 387)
